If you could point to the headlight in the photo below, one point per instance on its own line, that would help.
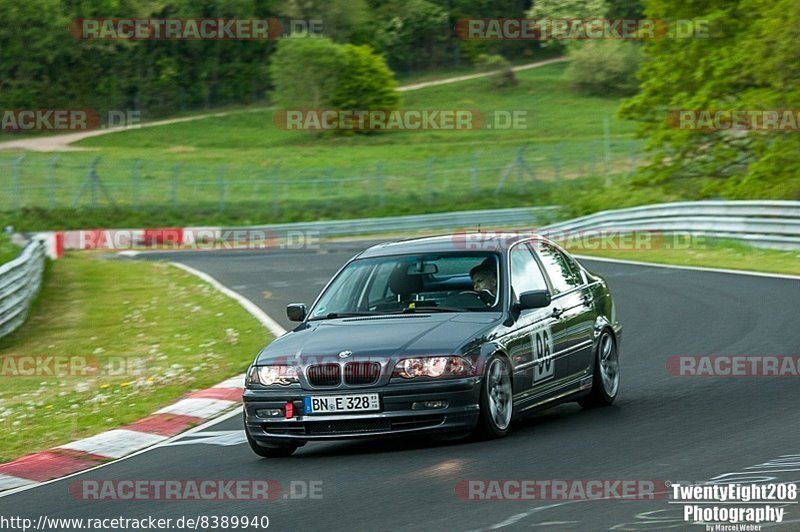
(267, 375)
(442, 366)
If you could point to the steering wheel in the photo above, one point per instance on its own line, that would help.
(484, 295)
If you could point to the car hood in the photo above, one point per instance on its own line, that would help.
(381, 336)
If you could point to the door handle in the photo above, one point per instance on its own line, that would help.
(557, 312)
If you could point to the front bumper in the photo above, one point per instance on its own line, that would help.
(396, 416)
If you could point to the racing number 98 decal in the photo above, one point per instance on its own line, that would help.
(542, 343)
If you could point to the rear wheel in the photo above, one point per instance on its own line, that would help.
(496, 403)
(605, 381)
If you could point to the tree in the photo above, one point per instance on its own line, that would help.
(604, 67)
(364, 81)
(305, 71)
(750, 62)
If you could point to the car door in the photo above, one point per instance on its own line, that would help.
(573, 307)
(537, 371)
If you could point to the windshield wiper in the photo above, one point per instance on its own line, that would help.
(423, 309)
(334, 315)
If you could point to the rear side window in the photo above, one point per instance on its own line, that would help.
(563, 272)
(525, 272)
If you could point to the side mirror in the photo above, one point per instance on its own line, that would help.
(296, 311)
(534, 299)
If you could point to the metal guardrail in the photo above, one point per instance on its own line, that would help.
(20, 280)
(471, 220)
(773, 224)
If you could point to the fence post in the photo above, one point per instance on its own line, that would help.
(557, 163)
(135, 184)
(381, 196)
(275, 190)
(51, 185)
(606, 146)
(474, 174)
(633, 157)
(328, 180)
(221, 187)
(17, 182)
(176, 170)
(429, 181)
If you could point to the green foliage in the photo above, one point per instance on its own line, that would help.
(318, 73)
(571, 9)
(412, 34)
(604, 67)
(505, 76)
(364, 81)
(749, 62)
(305, 71)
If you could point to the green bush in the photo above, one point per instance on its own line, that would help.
(604, 67)
(364, 81)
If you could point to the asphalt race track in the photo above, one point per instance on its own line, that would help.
(662, 426)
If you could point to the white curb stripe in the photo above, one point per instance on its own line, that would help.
(8, 482)
(115, 443)
(233, 382)
(202, 408)
(271, 325)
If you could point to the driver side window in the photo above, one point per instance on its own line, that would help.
(525, 272)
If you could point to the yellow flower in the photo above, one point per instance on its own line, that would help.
(105, 385)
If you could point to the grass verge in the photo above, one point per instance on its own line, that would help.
(708, 253)
(8, 250)
(138, 336)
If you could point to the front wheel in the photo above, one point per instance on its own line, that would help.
(605, 380)
(496, 403)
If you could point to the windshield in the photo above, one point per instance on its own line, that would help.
(463, 282)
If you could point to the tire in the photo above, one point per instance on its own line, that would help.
(605, 377)
(496, 402)
(270, 451)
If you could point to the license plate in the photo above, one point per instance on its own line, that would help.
(327, 404)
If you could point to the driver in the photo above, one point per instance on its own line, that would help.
(484, 277)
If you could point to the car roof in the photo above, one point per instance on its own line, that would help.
(455, 242)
